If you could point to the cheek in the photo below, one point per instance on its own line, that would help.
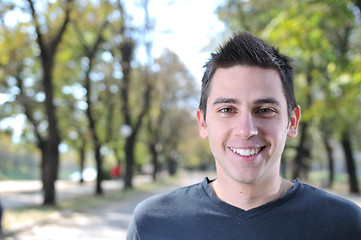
(217, 134)
(219, 128)
(275, 133)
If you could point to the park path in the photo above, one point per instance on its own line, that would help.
(25, 193)
(108, 221)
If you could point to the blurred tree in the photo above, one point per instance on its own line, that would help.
(340, 63)
(48, 45)
(172, 101)
(132, 119)
(90, 51)
(349, 64)
(47, 33)
(61, 65)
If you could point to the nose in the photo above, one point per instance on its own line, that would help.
(246, 126)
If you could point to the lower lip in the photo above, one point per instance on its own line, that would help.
(245, 158)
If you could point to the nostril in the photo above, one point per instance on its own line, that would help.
(246, 133)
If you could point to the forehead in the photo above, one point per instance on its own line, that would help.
(246, 83)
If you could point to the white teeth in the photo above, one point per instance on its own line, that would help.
(246, 152)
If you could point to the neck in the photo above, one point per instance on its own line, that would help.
(249, 195)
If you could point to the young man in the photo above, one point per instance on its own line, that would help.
(247, 110)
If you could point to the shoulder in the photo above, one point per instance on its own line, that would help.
(152, 215)
(321, 197)
(329, 206)
(170, 201)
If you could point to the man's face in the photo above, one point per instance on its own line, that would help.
(247, 123)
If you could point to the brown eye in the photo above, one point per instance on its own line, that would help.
(266, 111)
(226, 110)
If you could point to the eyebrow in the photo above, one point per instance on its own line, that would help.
(226, 100)
(269, 100)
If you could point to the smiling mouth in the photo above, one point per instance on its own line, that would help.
(246, 152)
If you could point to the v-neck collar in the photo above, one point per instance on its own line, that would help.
(251, 213)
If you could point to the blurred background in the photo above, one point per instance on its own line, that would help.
(95, 90)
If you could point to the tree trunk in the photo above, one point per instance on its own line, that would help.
(51, 156)
(350, 162)
(127, 51)
(90, 53)
(100, 177)
(129, 157)
(127, 54)
(172, 166)
(301, 151)
(51, 165)
(82, 160)
(331, 175)
(154, 145)
(118, 156)
(154, 154)
(95, 137)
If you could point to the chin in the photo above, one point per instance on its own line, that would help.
(246, 181)
(241, 178)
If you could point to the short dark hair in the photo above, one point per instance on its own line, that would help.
(245, 49)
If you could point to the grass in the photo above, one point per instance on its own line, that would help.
(15, 220)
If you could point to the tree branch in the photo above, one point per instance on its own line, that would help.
(39, 38)
(83, 43)
(26, 104)
(54, 43)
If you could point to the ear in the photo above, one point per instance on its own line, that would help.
(294, 120)
(202, 124)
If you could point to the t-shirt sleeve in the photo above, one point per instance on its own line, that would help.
(132, 233)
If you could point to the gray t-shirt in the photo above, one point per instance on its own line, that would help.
(194, 212)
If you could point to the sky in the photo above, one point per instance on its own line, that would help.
(186, 27)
